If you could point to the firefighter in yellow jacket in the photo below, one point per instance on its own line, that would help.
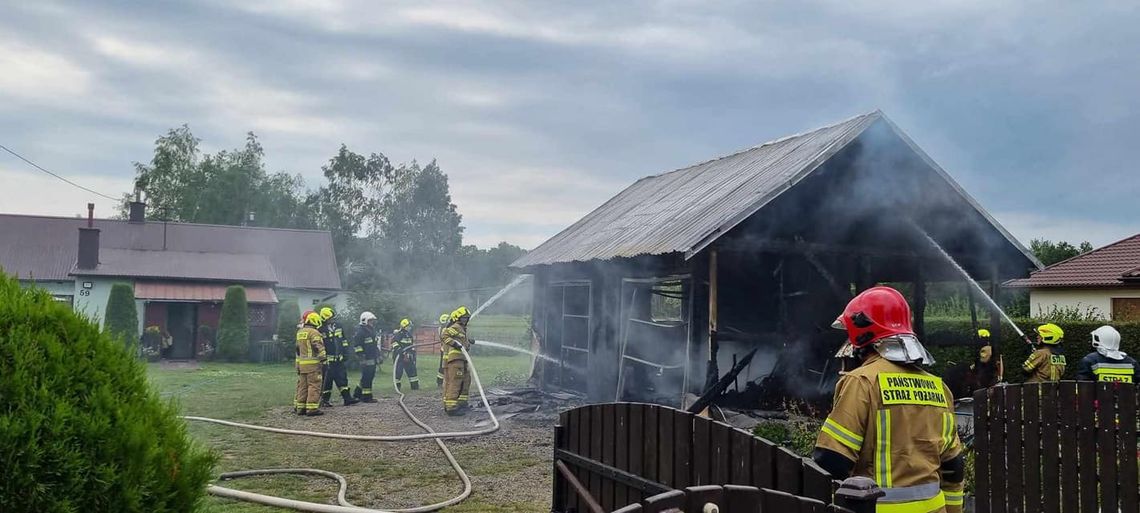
(310, 357)
(1047, 362)
(444, 321)
(456, 378)
(891, 421)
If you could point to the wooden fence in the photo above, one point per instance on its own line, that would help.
(1063, 447)
(625, 453)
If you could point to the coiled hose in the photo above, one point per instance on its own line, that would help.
(343, 505)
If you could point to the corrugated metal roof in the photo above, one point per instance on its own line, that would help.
(1108, 266)
(182, 264)
(682, 210)
(45, 248)
(169, 291)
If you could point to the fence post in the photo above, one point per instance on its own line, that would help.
(858, 494)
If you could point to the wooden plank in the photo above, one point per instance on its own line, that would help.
(637, 434)
(632, 508)
(597, 481)
(1031, 443)
(981, 450)
(579, 489)
(621, 451)
(722, 455)
(816, 482)
(608, 439)
(682, 449)
(1106, 444)
(745, 499)
(997, 450)
(812, 506)
(697, 496)
(611, 473)
(573, 445)
(741, 472)
(666, 444)
(1015, 494)
(789, 471)
(778, 501)
(1086, 444)
(1050, 450)
(763, 463)
(701, 451)
(650, 447)
(1070, 478)
(1128, 476)
(662, 502)
(558, 494)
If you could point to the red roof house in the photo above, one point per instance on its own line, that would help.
(1105, 281)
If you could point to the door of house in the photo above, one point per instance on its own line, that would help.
(181, 320)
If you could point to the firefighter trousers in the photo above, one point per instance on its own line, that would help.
(367, 374)
(406, 364)
(335, 374)
(456, 382)
(308, 397)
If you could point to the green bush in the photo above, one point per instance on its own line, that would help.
(949, 339)
(80, 427)
(122, 321)
(797, 434)
(233, 327)
(288, 314)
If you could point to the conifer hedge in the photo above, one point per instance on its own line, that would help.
(80, 427)
(233, 327)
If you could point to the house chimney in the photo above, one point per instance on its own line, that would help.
(88, 242)
(137, 212)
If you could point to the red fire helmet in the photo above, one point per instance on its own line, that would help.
(875, 314)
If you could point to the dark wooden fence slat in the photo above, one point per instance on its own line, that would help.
(1031, 444)
(665, 501)
(1128, 478)
(997, 443)
(574, 445)
(741, 473)
(763, 463)
(650, 447)
(1015, 496)
(1050, 450)
(621, 451)
(722, 455)
(778, 501)
(1086, 444)
(697, 496)
(817, 483)
(1070, 478)
(632, 508)
(558, 494)
(1106, 420)
(743, 499)
(666, 446)
(637, 434)
(789, 471)
(607, 455)
(702, 448)
(597, 435)
(981, 450)
(683, 448)
(812, 506)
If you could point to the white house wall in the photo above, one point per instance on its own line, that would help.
(1042, 301)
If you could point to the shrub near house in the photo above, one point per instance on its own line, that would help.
(233, 328)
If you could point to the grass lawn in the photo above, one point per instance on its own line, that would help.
(405, 472)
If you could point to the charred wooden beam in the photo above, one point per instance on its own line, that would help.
(712, 372)
(721, 385)
(840, 292)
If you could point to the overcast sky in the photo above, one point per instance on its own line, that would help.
(539, 112)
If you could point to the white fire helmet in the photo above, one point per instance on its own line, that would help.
(1106, 340)
(366, 316)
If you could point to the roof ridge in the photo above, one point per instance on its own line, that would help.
(157, 221)
(875, 112)
(1082, 255)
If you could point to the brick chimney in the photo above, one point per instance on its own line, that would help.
(88, 242)
(137, 212)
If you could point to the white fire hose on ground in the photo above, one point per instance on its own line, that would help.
(343, 505)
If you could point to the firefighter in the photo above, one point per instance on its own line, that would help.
(892, 421)
(987, 370)
(1107, 363)
(456, 379)
(1047, 362)
(309, 360)
(369, 353)
(404, 355)
(444, 320)
(334, 371)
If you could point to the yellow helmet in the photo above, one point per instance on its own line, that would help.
(313, 319)
(327, 313)
(444, 318)
(404, 323)
(460, 313)
(1050, 333)
(983, 333)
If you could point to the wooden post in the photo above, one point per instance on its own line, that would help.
(919, 301)
(713, 373)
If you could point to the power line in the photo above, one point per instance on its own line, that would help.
(37, 166)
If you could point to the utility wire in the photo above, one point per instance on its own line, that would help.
(37, 166)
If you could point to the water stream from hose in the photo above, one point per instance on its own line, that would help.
(514, 283)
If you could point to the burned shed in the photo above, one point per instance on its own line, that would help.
(664, 287)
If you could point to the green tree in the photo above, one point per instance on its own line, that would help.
(81, 428)
(288, 314)
(1049, 252)
(419, 235)
(122, 321)
(233, 327)
(351, 200)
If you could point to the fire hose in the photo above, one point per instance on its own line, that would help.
(343, 505)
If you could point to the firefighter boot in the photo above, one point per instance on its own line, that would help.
(399, 386)
(325, 403)
(314, 413)
(415, 385)
(348, 399)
